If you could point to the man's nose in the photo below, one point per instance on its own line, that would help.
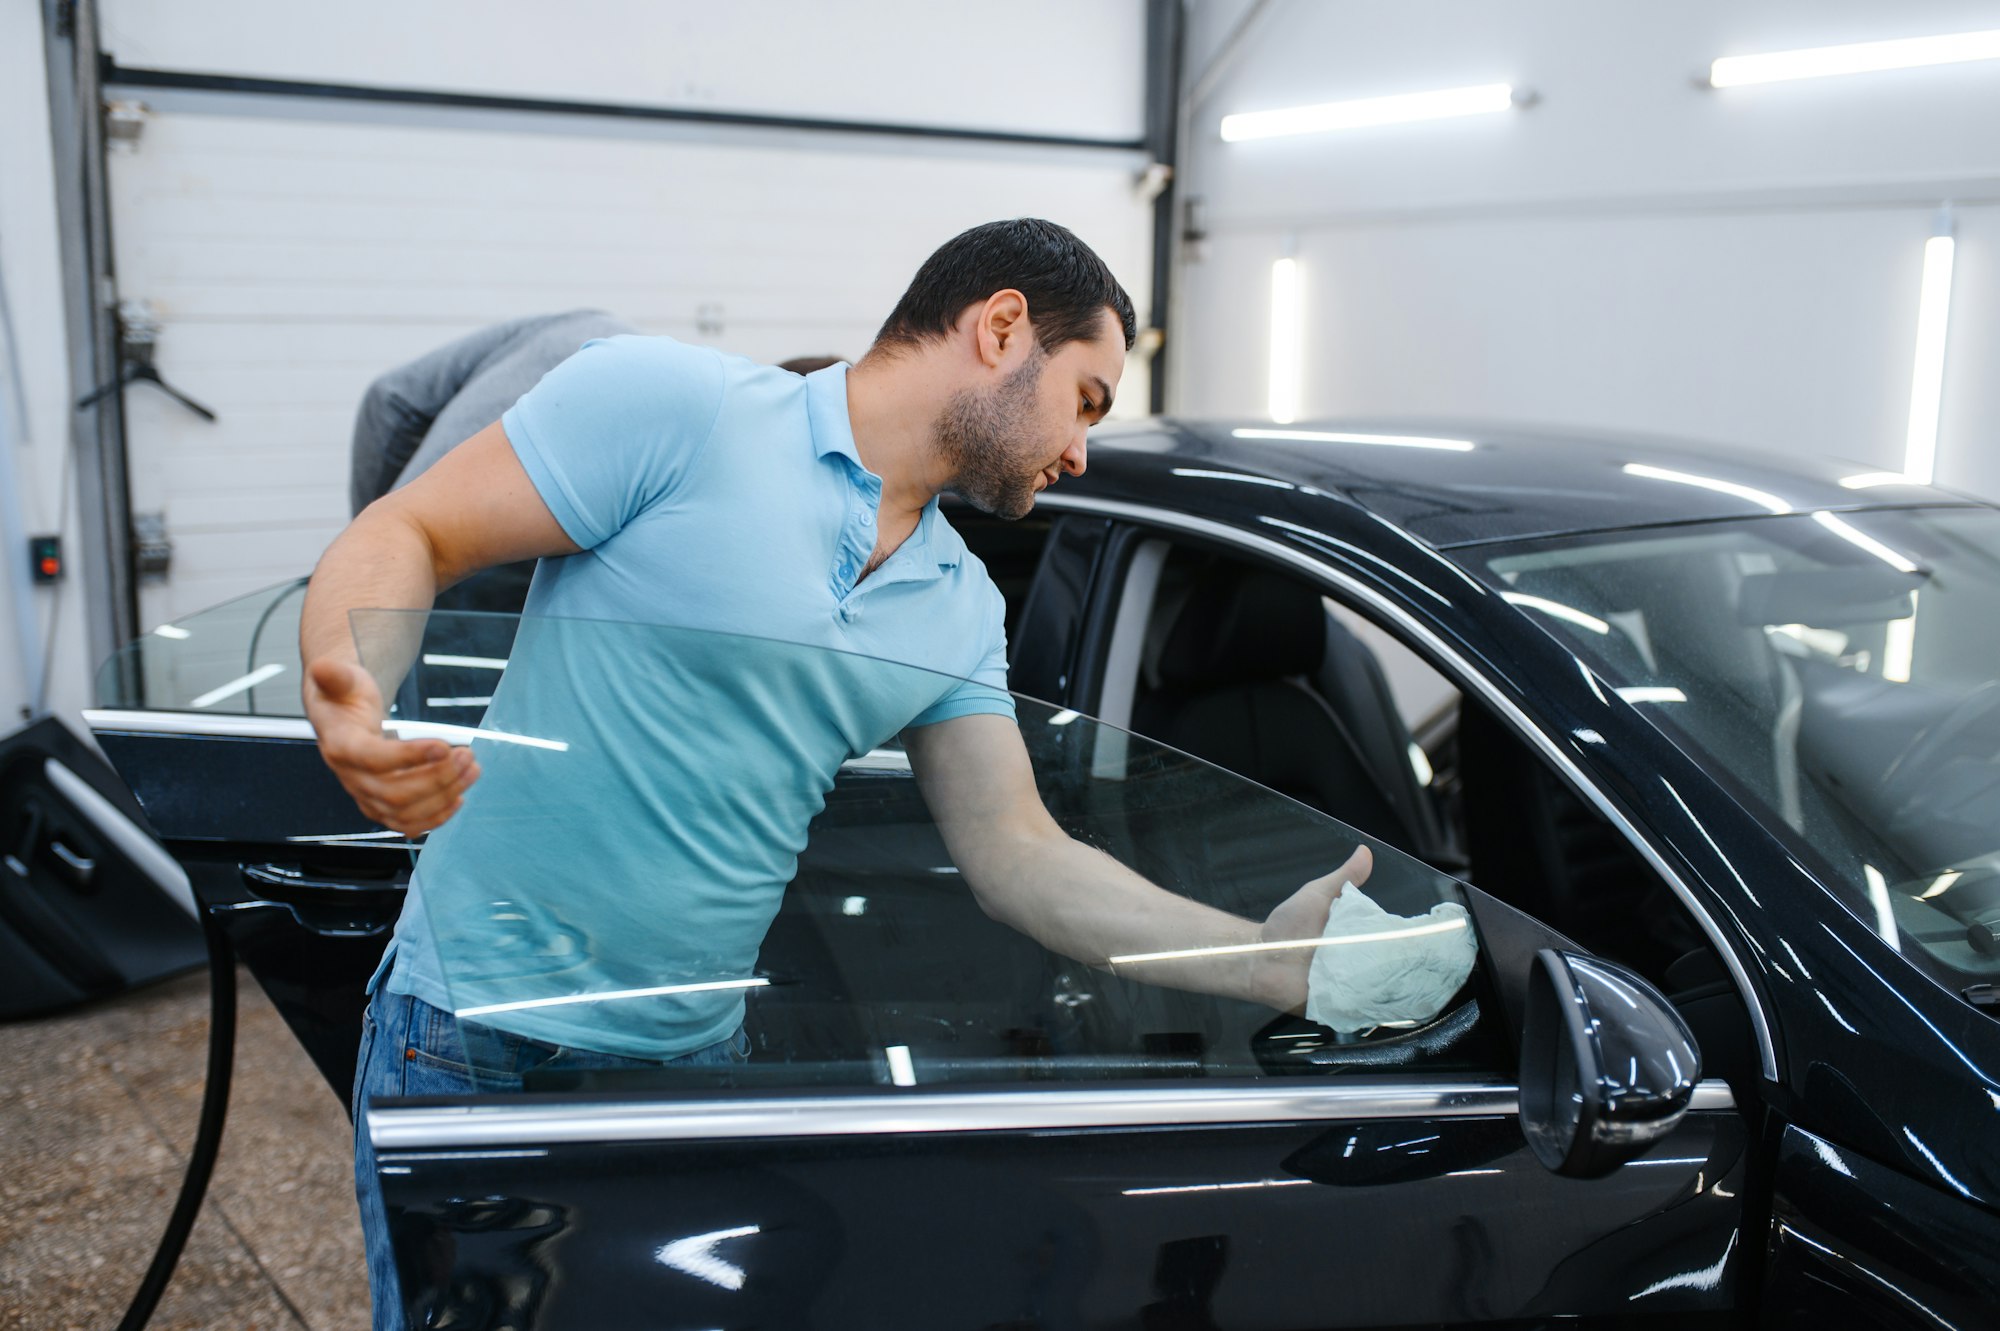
(1073, 460)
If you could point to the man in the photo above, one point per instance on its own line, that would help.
(668, 484)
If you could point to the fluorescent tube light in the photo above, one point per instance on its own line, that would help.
(1286, 308)
(1444, 104)
(173, 631)
(1927, 377)
(1868, 480)
(1341, 437)
(1860, 58)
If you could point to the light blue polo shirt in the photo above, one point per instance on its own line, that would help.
(609, 885)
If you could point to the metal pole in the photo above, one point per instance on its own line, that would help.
(90, 298)
(1165, 40)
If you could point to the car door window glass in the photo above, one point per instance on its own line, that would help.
(628, 901)
(1373, 734)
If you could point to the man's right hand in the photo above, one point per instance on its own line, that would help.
(410, 786)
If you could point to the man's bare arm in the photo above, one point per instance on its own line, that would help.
(474, 509)
(1026, 872)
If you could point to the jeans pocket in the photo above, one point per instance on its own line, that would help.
(434, 1061)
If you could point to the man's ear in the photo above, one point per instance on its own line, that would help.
(1001, 326)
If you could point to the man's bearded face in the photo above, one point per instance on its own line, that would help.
(989, 439)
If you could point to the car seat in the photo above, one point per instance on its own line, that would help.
(1229, 682)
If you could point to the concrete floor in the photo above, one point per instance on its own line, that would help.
(97, 1110)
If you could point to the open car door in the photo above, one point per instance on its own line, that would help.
(926, 1118)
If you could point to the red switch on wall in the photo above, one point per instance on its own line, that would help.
(45, 557)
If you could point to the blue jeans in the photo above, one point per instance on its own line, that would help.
(409, 1047)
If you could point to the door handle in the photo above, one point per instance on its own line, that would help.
(79, 869)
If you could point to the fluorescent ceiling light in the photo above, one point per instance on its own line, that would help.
(1927, 377)
(173, 631)
(1340, 437)
(1862, 58)
(1286, 309)
(1762, 498)
(1868, 480)
(1444, 104)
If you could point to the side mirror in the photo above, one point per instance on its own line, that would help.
(1607, 1066)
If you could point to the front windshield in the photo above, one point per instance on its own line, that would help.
(1840, 671)
(701, 859)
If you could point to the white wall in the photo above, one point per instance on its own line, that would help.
(1634, 252)
(31, 268)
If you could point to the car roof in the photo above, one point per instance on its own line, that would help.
(1451, 483)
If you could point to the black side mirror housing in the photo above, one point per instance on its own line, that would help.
(1607, 1066)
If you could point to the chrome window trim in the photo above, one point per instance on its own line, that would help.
(197, 725)
(474, 1127)
(1467, 678)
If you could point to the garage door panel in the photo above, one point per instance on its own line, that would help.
(292, 259)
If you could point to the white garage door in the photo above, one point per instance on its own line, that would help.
(292, 249)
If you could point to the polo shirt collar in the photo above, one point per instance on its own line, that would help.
(833, 433)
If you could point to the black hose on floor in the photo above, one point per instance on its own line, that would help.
(208, 1133)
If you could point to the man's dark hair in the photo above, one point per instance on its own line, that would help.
(1068, 287)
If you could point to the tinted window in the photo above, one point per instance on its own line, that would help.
(873, 961)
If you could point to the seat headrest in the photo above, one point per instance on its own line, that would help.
(1239, 626)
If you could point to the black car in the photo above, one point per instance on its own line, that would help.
(1708, 747)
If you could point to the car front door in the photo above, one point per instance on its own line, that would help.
(933, 1120)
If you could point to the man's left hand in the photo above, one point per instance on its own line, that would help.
(1282, 971)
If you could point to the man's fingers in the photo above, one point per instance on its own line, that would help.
(1353, 871)
(411, 784)
(1359, 865)
(356, 749)
(423, 813)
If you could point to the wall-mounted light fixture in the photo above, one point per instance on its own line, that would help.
(1287, 340)
(1444, 104)
(1860, 58)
